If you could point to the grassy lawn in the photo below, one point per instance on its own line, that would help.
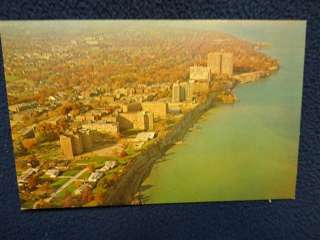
(44, 177)
(147, 144)
(49, 151)
(130, 150)
(98, 161)
(59, 183)
(85, 175)
(70, 189)
(71, 172)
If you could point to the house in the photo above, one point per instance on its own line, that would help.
(52, 173)
(145, 136)
(94, 177)
(108, 165)
(26, 175)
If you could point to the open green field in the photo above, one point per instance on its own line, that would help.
(59, 183)
(69, 190)
(85, 176)
(71, 172)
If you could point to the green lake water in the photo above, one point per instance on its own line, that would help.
(248, 150)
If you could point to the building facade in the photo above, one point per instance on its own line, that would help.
(102, 127)
(200, 73)
(220, 63)
(214, 62)
(137, 120)
(176, 92)
(227, 64)
(66, 146)
(181, 92)
(159, 109)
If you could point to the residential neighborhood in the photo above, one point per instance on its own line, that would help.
(85, 104)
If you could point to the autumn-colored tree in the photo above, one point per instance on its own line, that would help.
(77, 184)
(46, 187)
(91, 168)
(123, 142)
(162, 127)
(32, 182)
(24, 195)
(29, 143)
(100, 196)
(70, 200)
(19, 149)
(33, 161)
(123, 153)
(21, 164)
(26, 118)
(42, 203)
(86, 195)
(114, 151)
(41, 98)
(47, 132)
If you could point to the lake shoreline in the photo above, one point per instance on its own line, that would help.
(127, 189)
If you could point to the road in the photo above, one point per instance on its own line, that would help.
(64, 186)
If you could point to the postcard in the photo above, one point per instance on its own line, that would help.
(131, 112)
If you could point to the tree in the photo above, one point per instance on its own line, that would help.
(86, 195)
(29, 143)
(21, 164)
(19, 149)
(32, 182)
(123, 153)
(33, 161)
(47, 132)
(91, 168)
(42, 203)
(45, 188)
(100, 196)
(70, 200)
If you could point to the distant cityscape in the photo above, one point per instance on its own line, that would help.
(74, 142)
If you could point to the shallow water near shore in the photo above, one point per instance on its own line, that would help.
(244, 151)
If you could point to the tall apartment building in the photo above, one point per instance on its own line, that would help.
(200, 78)
(86, 139)
(227, 64)
(186, 91)
(181, 92)
(214, 62)
(176, 92)
(66, 146)
(149, 120)
(159, 109)
(75, 144)
(137, 120)
(220, 63)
